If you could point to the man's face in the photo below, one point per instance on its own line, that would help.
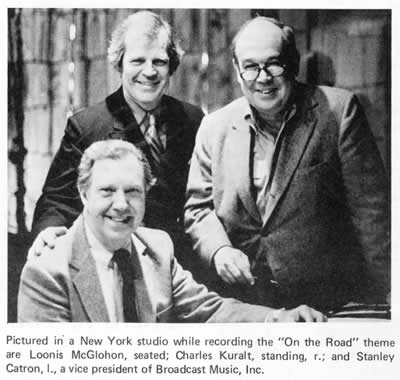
(261, 44)
(145, 69)
(114, 202)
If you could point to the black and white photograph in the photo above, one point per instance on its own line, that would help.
(199, 167)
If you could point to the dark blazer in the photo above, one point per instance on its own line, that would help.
(325, 235)
(60, 204)
(62, 285)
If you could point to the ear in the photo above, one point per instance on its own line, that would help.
(120, 62)
(83, 195)
(236, 67)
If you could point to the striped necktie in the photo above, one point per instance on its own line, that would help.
(151, 136)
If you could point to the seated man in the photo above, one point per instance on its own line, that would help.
(109, 269)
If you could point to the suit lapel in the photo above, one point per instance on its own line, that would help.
(240, 158)
(125, 126)
(172, 116)
(293, 143)
(123, 119)
(174, 154)
(84, 277)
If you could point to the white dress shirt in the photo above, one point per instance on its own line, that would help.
(109, 276)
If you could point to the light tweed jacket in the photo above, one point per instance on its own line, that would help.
(62, 285)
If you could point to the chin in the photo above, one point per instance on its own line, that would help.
(272, 108)
(120, 231)
(151, 98)
(146, 103)
(119, 240)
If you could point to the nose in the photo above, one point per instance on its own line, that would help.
(264, 75)
(148, 69)
(120, 201)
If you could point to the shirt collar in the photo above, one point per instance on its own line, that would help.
(99, 252)
(139, 113)
(139, 245)
(250, 115)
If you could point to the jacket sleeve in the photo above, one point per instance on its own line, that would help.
(201, 221)
(194, 303)
(366, 191)
(43, 294)
(60, 204)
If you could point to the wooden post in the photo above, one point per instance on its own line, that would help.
(205, 58)
(18, 151)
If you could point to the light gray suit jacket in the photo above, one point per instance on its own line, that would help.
(326, 227)
(62, 285)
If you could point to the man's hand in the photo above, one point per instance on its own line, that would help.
(233, 266)
(46, 238)
(301, 313)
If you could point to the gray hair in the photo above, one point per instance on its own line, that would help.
(114, 150)
(290, 54)
(154, 24)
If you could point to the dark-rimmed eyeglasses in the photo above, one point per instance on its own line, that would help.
(252, 72)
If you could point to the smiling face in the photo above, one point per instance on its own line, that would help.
(114, 202)
(145, 68)
(261, 43)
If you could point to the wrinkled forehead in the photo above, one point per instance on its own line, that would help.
(259, 35)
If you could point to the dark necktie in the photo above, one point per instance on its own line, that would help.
(122, 258)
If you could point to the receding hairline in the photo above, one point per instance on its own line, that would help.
(252, 24)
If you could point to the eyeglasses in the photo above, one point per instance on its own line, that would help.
(252, 72)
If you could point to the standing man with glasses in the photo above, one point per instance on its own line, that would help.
(287, 199)
(144, 52)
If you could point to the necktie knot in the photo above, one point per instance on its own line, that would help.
(121, 257)
(123, 260)
(149, 122)
(152, 120)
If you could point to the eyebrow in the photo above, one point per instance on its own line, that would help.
(134, 188)
(269, 59)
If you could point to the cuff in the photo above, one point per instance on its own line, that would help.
(273, 315)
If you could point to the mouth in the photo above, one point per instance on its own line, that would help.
(267, 91)
(148, 84)
(119, 219)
